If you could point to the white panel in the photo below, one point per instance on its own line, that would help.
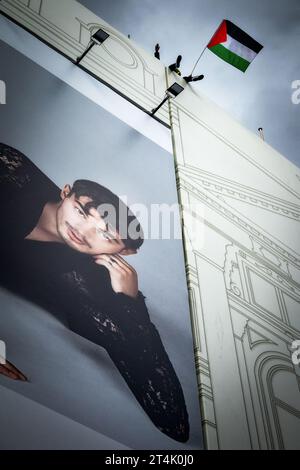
(286, 388)
(290, 427)
(35, 5)
(293, 311)
(264, 294)
(249, 198)
(228, 396)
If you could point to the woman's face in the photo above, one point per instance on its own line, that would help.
(87, 233)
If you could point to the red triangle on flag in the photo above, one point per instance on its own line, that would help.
(220, 35)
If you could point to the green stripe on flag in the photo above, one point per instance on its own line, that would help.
(230, 57)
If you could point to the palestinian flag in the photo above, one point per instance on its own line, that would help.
(234, 45)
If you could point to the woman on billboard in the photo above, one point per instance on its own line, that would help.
(59, 249)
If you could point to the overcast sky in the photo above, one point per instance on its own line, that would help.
(261, 96)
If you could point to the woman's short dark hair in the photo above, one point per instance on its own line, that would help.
(102, 196)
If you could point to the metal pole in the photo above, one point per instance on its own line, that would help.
(159, 106)
(198, 60)
(204, 50)
(85, 52)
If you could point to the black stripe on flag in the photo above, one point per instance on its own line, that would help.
(240, 36)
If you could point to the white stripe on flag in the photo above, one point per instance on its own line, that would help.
(243, 51)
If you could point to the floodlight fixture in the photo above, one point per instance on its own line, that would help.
(97, 39)
(173, 91)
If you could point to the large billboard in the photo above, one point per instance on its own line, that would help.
(95, 321)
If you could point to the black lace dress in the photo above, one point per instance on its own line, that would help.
(71, 285)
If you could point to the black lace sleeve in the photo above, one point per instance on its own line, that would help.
(132, 341)
(24, 189)
(14, 172)
(18, 172)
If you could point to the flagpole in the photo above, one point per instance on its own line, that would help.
(198, 59)
(204, 50)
